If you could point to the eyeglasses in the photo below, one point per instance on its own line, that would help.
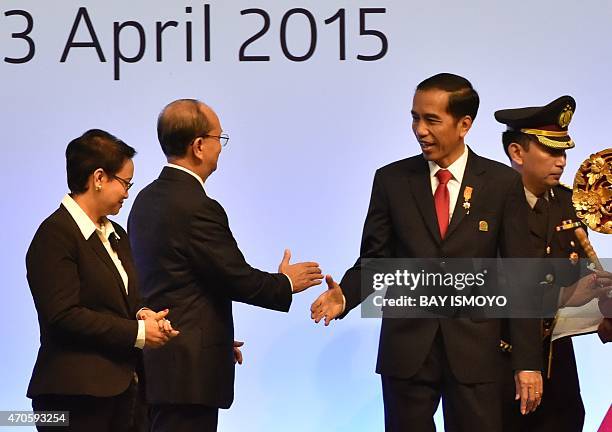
(223, 138)
(126, 184)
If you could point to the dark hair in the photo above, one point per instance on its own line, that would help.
(463, 99)
(179, 123)
(510, 136)
(92, 150)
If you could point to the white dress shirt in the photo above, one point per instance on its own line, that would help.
(457, 169)
(87, 228)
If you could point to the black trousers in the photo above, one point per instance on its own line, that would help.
(93, 414)
(183, 418)
(411, 403)
(561, 409)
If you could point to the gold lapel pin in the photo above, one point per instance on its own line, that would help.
(483, 226)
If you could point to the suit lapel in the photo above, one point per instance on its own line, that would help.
(420, 185)
(472, 177)
(96, 244)
(126, 261)
(533, 225)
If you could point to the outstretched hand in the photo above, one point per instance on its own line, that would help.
(237, 352)
(303, 275)
(330, 304)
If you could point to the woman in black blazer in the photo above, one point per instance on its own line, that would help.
(83, 282)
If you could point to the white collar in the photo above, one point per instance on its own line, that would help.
(532, 198)
(188, 171)
(83, 221)
(457, 168)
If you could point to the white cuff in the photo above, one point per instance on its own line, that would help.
(290, 282)
(140, 337)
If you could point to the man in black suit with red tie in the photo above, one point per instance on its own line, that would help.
(417, 211)
(188, 260)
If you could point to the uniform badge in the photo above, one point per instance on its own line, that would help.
(574, 258)
(467, 196)
(566, 116)
(483, 226)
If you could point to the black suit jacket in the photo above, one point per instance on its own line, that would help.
(559, 245)
(562, 243)
(87, 321)
(402, 223)
(562, 409)
(189, 262)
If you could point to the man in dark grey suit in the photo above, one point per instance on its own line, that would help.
(189, 262)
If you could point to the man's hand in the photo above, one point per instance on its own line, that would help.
(237, 352)
(328, 305)
(160, 317)
(587, 288)
(529, 389)
(158, 330)
(303, 275)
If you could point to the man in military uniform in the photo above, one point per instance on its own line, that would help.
(536, 140)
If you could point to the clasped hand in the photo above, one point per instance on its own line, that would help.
(158, 329)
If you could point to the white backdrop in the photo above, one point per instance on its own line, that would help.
(306, 138)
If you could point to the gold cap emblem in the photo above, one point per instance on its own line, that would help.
(566, 116)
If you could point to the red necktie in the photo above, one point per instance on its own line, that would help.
(606, 425)
(442, 200)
